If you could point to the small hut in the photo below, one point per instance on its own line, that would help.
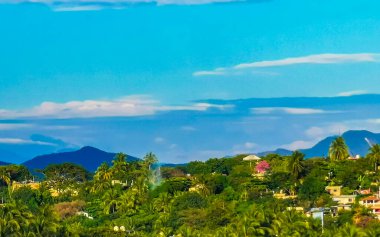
(251, 158)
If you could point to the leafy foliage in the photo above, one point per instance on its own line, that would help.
(218, 197)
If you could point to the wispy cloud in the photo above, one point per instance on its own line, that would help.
(299, 144)
(18, 141)
(216, 72)
(245, 148)
(310, 59)
(125, 107)
(287, 110)
(351, 93)
(14, 126)
(159, 140)
(188, 128)
(374, 121)
(93, 5)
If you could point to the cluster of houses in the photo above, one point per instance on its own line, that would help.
(343, 202)
(36, 185)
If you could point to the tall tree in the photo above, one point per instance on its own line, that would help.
(338, 149)
(5, 176)
(150, 159)
(374, 155)
(120, 167)
(103, 172)
(111, 201)
(64, 176)
(295, 164)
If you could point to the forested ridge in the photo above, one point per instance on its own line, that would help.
(271, 196)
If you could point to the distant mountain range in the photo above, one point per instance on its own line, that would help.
(6, 155)
(355, 141)
(88, 157)
(3, 163)
(280, 151)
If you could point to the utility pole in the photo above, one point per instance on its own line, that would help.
(322, 218)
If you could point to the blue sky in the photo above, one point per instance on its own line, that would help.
(75, 70)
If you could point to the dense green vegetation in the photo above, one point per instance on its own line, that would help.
(218, 197)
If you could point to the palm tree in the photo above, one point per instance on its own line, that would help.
(338, 149)
(350, 231)
(119, 167)
(15, 219)
(46, 222)
(102, 178)
(295, 164)
(103, 172)
(150, 159)
(374, 155)
(110, 201)
(128, 202)
(162, 202)
(5, 176)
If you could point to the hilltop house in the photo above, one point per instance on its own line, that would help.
(251, 158)
(372, 203)
(30, 184)
(283, 195)
(343, 200)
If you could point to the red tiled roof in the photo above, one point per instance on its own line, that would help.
(365, 191)
(372, 198)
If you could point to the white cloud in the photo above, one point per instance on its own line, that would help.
(194, 2)
(314, 59)
(310, 59)
(77, 8)
(216, 72)
(173, 146)
(316, 134)
(245, 148)
(296, 145)
(319, 133)
(351, 93)
(287, 110)
(159, 140)
(250, 145)
(93, 5)
(374, 121)
(188, 129)
(59, 127)
(18, 141)
(14, 126)
(127, 106)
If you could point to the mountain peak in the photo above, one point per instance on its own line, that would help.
(89, 148)
(357, 132)
(88, 156)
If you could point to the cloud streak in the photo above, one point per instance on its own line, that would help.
(287, 110)
(351, 93)
(18, 141)
(125, 107)
(14, 126)
(93, 5)
(310, 59)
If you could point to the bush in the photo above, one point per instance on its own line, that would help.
(189, 200)
(68, 209)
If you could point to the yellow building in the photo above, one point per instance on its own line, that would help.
(372, 203)
(344, 199)
(297, 209)
(334, 190)
(282, 195)
(32, 185)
